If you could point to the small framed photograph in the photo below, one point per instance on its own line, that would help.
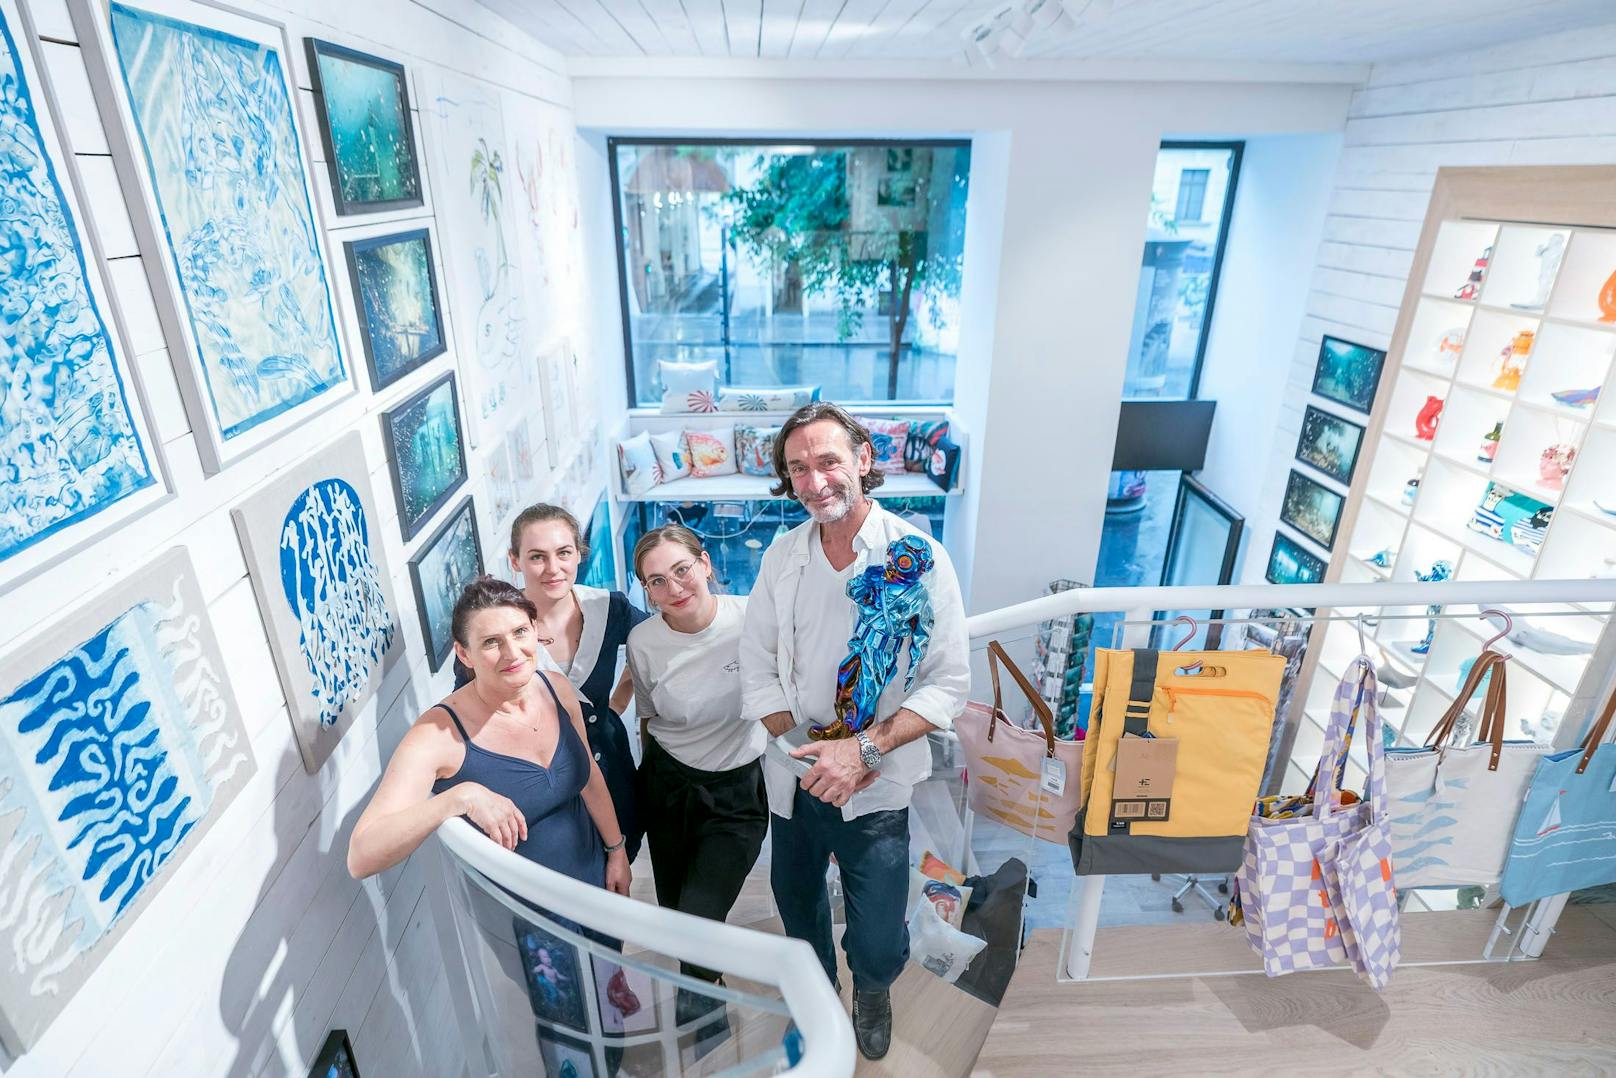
(426, 453)
(396, 292)
(1348, 373)
(336, 1058)
(627, 998)
(366, 128)
(1312, 509)
(566, 1056)
(1330, 444)
(556, 982)
(440, 570)
(1290, 563)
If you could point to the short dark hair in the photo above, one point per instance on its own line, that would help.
(543, 513)
(814, 413)
(487, 593)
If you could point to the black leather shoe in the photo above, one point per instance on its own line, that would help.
(872, 1022)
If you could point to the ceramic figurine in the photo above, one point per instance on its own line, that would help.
(1425, 423)
(1548, 264)
(1451, 343)
(1555, 464)
(1607, 299)
(1411, 488)
(1576, 398)
(1489, 443)
(1383, 557)
(1440, 570)
(1511, 361)
(1472, 286)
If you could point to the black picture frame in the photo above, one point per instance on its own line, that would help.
(1312, 508)
(352, 250)
(438, 649)
(552, 1042)
(410, 524)
(1335, 379)
(316, 48)
(336, 1058)
(1311, 450)
(1311, 565)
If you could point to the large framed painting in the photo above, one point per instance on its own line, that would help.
(1330, 444)
(1312, 509)
(440, 570)
(79, 452)
(121, 744)
(366, 129)
(1291, 563)
(200, 114)
(396, 295)
(1348, 373)
(426, 454)
(319, 568)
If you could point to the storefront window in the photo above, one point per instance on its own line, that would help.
(1190, 201)
(834, 264)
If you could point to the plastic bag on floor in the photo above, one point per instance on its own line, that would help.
(943, 950)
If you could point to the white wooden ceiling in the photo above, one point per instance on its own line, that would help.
(1295, 31)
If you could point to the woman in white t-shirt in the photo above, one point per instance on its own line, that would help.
(700, 766)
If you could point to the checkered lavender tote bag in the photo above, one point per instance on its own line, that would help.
(1316, 890)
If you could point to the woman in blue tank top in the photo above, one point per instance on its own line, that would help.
(507, 751)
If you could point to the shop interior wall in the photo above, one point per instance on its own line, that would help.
(1549, 100)
(261, 941)
(1056, 223)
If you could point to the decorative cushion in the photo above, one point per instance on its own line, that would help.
(888, 438)
(754, 447)
(923, 438)
(765, 398)
(671, 455)
(1512, 517)
(712, 452)
(688, 387)
(638, 463)
(943, 468)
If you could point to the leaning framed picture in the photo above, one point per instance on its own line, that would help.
(336, 1058)
(449, 560)
(1312, 509)
(1330, 444)
(426, 453)
(1348, 373)
(363, 104)
(557, 983)
(1290, 563)
(626, 995)
(566, 1056)
(395, 290)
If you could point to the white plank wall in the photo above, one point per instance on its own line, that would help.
(1548, 100)
(261, 942)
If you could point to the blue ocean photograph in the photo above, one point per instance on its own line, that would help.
(397, 293)
(365, 124)
(426, 454)
(445, 564)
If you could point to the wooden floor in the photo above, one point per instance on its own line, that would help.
(1553, 1016)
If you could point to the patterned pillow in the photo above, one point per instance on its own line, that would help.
(755, 448)
(943, 467)
(888, 438)
(923, 438)
(688, 387)
(637, 461)
(766, 398)
(712, 452)
(671, 455)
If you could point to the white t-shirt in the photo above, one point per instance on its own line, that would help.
(689, 686)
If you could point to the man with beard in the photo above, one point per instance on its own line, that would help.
(854, 648)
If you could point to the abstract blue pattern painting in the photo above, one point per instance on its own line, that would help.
(318, 566)
(70, 443)
(120, 743)
(214, 121)
(425, 453)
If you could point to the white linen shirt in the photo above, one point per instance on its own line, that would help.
(775, 660)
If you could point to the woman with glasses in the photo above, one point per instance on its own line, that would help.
(700, 766)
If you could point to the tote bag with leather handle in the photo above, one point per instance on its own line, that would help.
(1005, 763)
(1453, 806)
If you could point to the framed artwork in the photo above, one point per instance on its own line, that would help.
(222, 207)
(1312, 509)
(78, 446)
(1290, 563)
(336, 1058)
(426, 455)
(396, 293)
(1330, 444)
(366, 129)
(556, 983)
(319, 568)
(627, 999)
(566, 1057)
(120, 746)
(600, 568)
(1348, 373)
(440, 570)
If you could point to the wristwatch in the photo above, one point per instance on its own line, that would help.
(867, 751)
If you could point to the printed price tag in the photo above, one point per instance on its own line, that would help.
(1054, 779)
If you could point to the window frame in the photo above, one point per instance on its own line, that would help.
(618, 235)
(1237, 149)
(1203, 178)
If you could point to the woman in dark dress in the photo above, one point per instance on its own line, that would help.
(581, 630)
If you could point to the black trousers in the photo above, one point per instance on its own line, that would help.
(705, 834)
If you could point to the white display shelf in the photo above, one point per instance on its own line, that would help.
(729, 488)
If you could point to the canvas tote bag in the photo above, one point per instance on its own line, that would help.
(1453, 806)
(1005, 764)
(1565, 836)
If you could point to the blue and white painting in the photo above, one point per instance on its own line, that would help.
(71, 445)
(120, 745)
(214, 124)
(425, 453)
(397, 295)
(319, 568)
(446, 563)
